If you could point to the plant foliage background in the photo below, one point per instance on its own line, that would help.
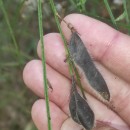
(18, 46)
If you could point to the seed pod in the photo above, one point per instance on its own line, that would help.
(80, 110)
(82, 59)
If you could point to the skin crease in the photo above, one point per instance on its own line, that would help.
(112, 56)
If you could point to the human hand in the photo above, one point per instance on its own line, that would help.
(111, 52)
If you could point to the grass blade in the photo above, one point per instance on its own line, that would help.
(126, 12)
(110, 13)
(44, 65)
(10, 29)
(121, 17)
(79, 5)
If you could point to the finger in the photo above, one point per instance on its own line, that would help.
(119, 89)
(59, 120)
(61, 92)
(54, 50)
(33, 78)
(107, 45)
(40, 118)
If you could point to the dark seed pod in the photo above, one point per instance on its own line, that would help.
(80, 110)
(82, 59)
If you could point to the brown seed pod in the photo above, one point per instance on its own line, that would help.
(79, 109)
(84, 62)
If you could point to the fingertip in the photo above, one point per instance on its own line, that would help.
(52, 42)
(54, 52)
(39, 115)
(36, 114)
(28, 70)
(35, 108)
(31, 76)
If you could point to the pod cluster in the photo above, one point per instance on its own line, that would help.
(79, 108)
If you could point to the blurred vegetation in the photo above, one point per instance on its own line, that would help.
(19, 35)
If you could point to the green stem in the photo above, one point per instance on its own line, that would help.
(10, 29)
(78, 80)
(70, 61)
(44, 65)
(110, 13)
(126, 12)
(63, 38)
